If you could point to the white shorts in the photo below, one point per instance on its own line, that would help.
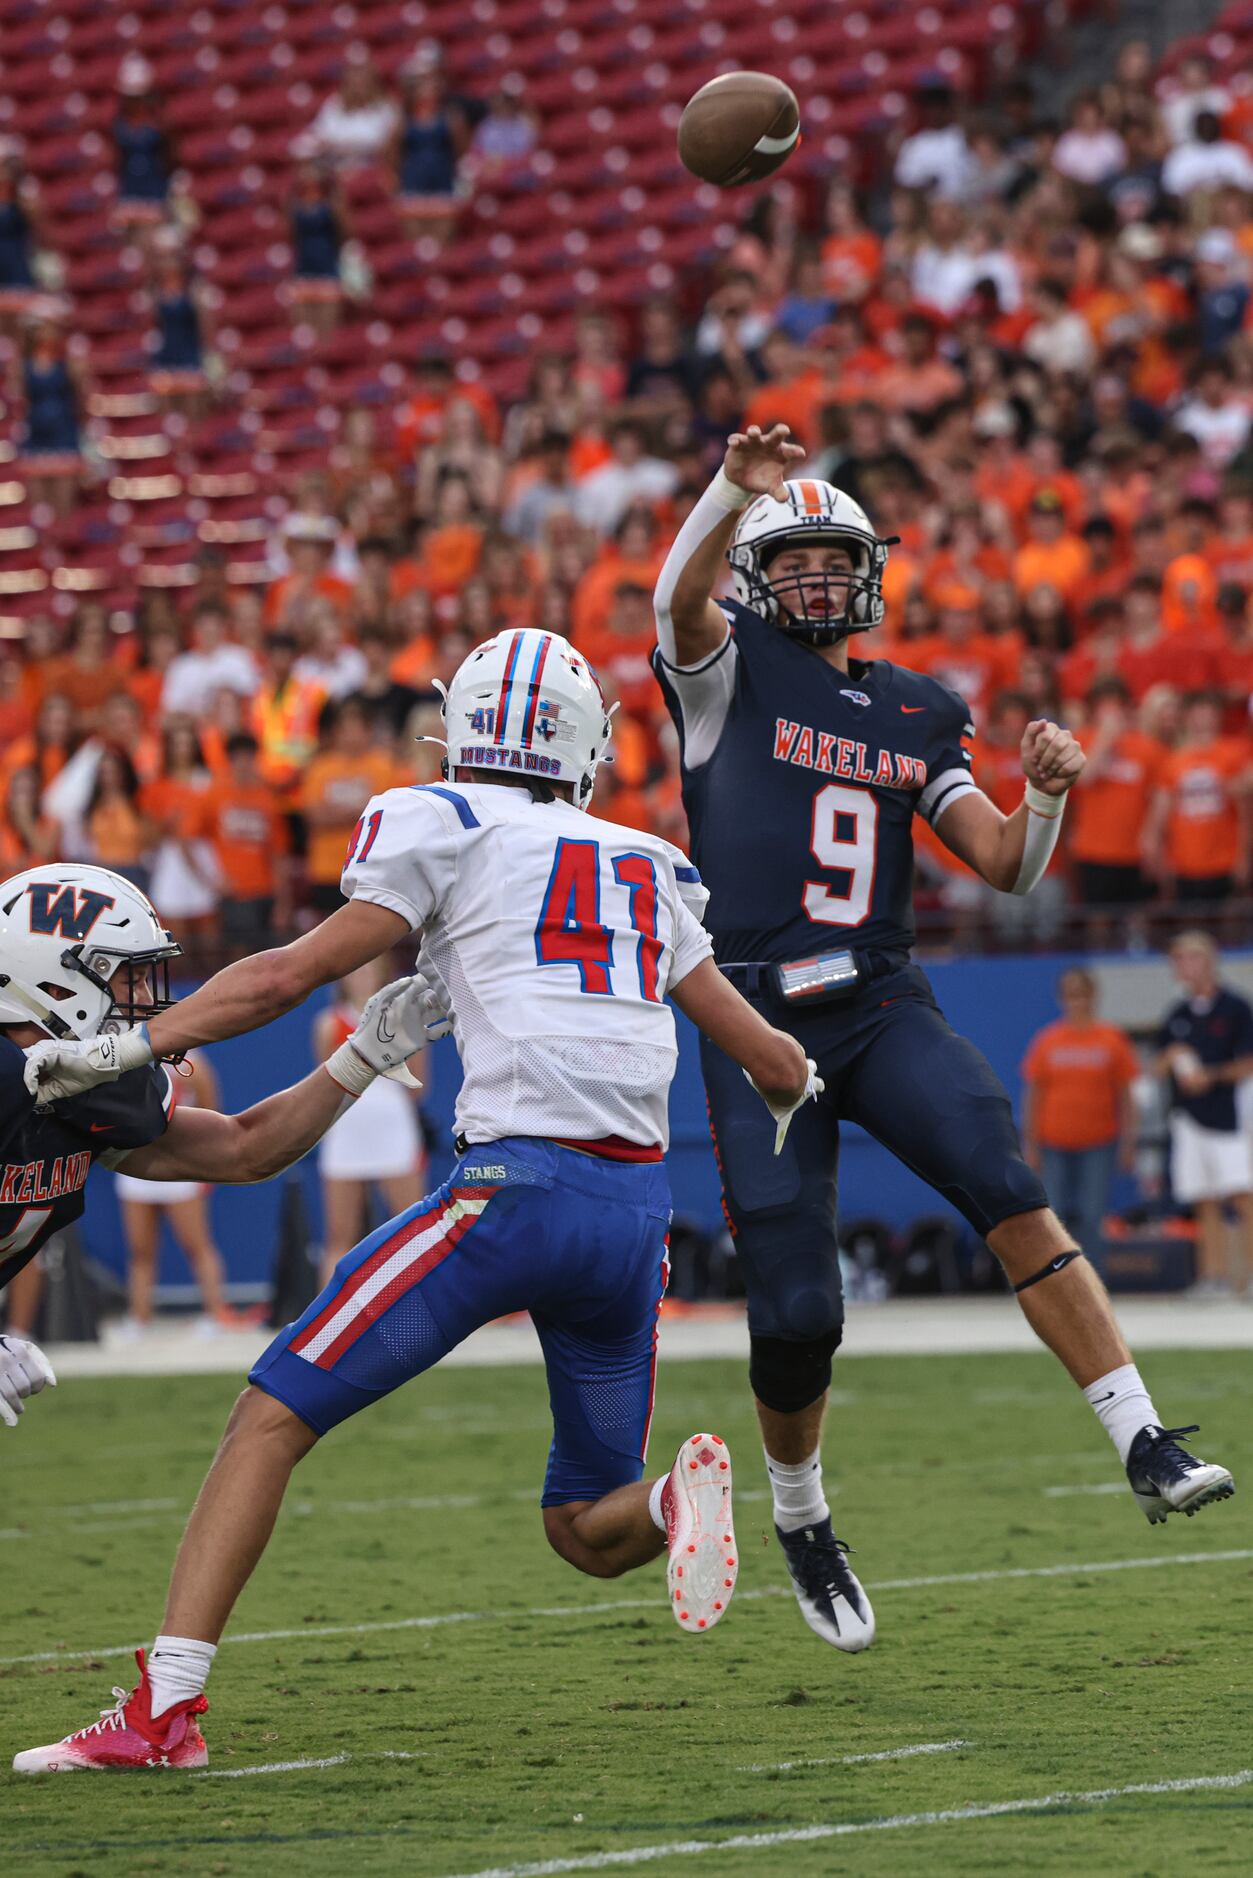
(1208, 1163)
(156, 1192)
(376, 1139)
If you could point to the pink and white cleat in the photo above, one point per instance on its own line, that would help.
(700, 1539)
(126, 1739)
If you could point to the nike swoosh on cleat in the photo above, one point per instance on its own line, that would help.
(909, 709)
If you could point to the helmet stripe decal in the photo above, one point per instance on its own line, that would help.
(811, 498)
(506, 688)
(532, 696)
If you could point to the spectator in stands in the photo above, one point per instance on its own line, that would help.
(117, 832)
(20, 228)
(1205, 1046)
(49, 745)
(421, 420)
(283, 716)
(50, 383)
(178, 359)
(460, 450)
(329, 661)
(549, 491)
(250, 843)
(28, 836)
(309, 542)
(1107, 830)
(145, 155)
(1222, 282)
(88, 674)
(631, 474)
(430, 137)
(388, 701)
(1051, 555)
(1090, 152)
(357, 123)
(183, 874)
(336, 787)
(506, 135)
(318, 219)
(1079, 1113)
(1206, 161)
(1192, 92)
(1215, 413)
(214, 663)
(1199, 835)
(1059, 338)
(935, 156)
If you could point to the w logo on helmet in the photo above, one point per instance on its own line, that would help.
(69, 912)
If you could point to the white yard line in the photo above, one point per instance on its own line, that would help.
(802, 1835)
(297, 1767)
(564, 1612)
(856, 1760)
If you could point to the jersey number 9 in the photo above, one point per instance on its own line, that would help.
(843, 842)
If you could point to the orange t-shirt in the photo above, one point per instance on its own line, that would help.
(118, 834)
(179, 808)
(292, 586)
(1079, 1072)
(1061, 564)
(450, 556)
(249, 831)
(1107, 812)
(345, 784)
(593, 596)
(1203, 827)
(1189, 590)
(850, 264)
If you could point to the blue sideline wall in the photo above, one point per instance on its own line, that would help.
(999, 1002)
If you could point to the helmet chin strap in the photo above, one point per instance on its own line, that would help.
(819, 632)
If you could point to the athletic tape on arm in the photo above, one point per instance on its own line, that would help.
(1044, 824)
(704, 690)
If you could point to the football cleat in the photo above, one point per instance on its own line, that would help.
(126, 1739)
(832, 1601)
(700, 1540)
(1165, 1478)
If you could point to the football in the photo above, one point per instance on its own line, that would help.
(739, 128)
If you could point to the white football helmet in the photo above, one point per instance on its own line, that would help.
(526, 702)
(64, 931)
(819, 608)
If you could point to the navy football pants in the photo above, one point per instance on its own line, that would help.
(893, 1064)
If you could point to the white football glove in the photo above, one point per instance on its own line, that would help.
(390, 1029)
(24, 1370)
(784, 1111)
(436, 1014)
(57, 1067)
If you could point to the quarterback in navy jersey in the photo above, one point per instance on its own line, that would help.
(83, 955)
(802, 769)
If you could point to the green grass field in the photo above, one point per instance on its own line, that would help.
(564, 1718)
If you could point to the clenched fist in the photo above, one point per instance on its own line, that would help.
(1051, 757)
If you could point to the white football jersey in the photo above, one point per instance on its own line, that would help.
(555, 937)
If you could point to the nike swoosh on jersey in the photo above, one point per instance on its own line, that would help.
(909, 709)
(102, 1128)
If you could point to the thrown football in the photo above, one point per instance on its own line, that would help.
(739, 128)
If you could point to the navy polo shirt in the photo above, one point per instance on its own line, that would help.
(1218, 1032)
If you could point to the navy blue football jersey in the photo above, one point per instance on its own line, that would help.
(801, 817)
(46, 1155)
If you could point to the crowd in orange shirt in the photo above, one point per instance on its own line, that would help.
(1039, 380)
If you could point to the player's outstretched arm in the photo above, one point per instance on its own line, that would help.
(1011, 852)
(774, 1063)
(690, 624)
(235, 1150)
(244, 996)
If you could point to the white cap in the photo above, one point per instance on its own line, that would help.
(1218, 246)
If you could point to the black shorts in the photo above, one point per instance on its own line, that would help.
(1101, 884)
(1203, 889)
(893, 1064)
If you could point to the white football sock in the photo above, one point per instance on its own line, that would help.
(1123, 1406)
(178, 1669)
(798, 1495)
(654, 1502)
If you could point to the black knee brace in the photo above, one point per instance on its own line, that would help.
(786, 1375)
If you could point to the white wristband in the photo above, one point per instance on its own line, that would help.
(349, 1070)
(1040, 804)
(729, 495)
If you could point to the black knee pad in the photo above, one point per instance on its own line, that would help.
(788, 1376)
